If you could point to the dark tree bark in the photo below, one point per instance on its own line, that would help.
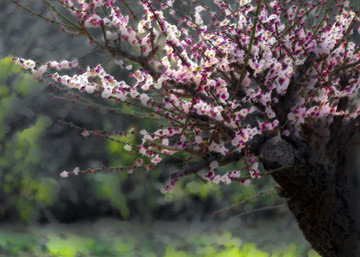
(321, 191)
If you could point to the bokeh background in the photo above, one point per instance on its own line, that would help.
(109, 214)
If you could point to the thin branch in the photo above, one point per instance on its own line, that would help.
(242, 179)
(195, 168)
(266, 208)
(242, 75)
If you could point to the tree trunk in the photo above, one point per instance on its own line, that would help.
(321, 191)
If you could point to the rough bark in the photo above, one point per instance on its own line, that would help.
(320, 191)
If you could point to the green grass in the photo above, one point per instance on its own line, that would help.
(126, 239)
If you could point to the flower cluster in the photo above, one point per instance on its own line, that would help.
(218, 85)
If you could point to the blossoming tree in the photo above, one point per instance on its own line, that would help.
(274, 84)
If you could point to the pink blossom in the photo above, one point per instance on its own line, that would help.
(85, 133)
(64, 174)
(156, 159)
(213, 165)
(76, 171)
(190, 81)
(93, 21)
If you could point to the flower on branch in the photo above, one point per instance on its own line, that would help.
(249, 74)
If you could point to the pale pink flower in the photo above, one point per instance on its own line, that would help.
(247, 182)
(93, 21)
(198, 140)
(38, 73)
(29, 64)
(156, 159)
(213, 165)
(225, 179)
(127, 147)
(142, 150)
(76, 171)
(85, 133)
(64, 174)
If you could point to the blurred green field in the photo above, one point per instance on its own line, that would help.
(108, 237)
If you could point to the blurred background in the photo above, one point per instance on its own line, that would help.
(108, 214)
